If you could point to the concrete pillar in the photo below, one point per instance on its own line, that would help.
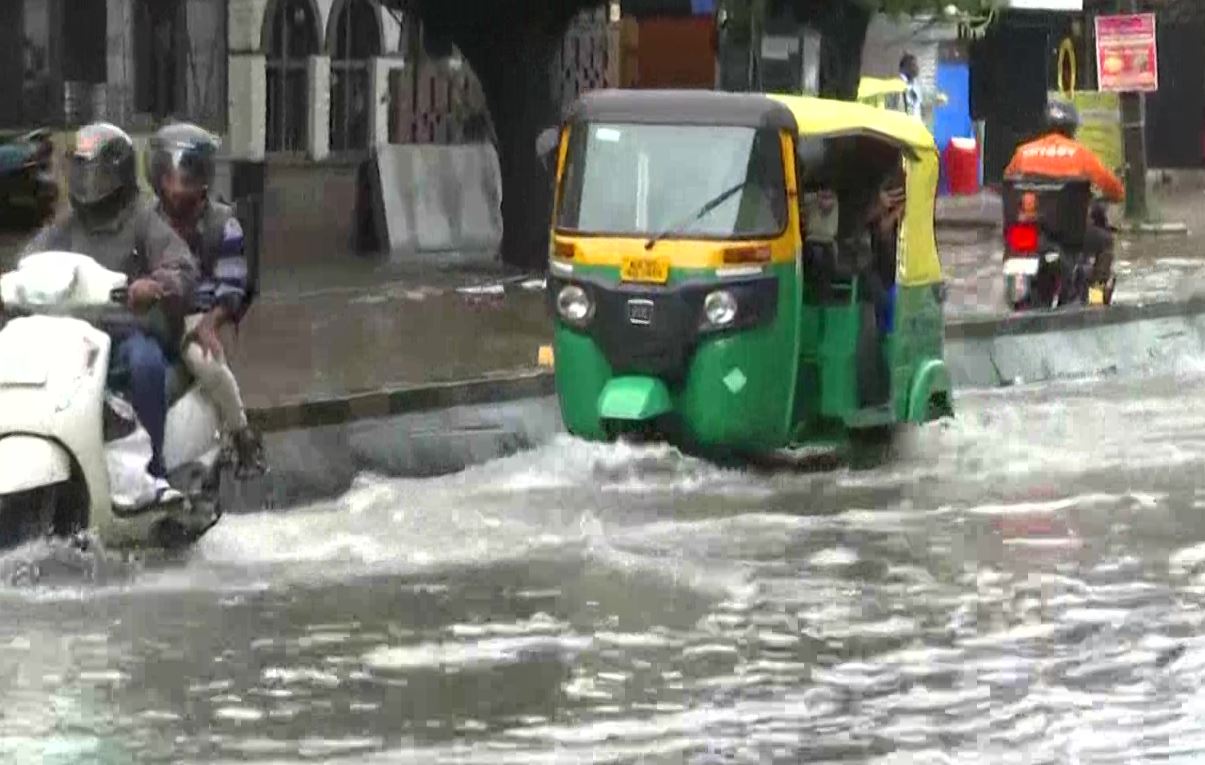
(319, 133)
(378, 127)
(116, 105)
(247, 106)
(244, 25)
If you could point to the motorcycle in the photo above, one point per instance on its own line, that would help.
(73, 456)
(1045, 262)
(28, 188)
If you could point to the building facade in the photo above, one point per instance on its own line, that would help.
(132, 62)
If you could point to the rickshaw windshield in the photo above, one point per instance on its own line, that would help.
(645, 180)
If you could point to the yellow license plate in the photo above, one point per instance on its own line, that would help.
(655, 270)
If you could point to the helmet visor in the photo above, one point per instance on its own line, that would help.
(190, 163)
(92, 179)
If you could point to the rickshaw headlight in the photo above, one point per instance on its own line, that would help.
(720, 308)
(574, 305)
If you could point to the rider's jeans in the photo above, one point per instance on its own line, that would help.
(214, 377)
(143, 358)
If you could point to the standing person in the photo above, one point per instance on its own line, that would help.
(909, 72)
(111, 222)
(180, 167)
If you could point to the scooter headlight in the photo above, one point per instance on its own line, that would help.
(574, 304)
(720, 308)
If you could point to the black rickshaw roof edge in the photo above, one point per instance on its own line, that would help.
(682, 107)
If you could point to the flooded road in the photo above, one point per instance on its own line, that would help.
(1024, 585)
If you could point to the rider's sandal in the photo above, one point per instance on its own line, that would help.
(249, 454)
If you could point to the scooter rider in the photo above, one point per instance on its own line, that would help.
(111, 222)
(180, 167)
(1058, 155)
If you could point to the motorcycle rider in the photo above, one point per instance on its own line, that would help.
(1057, 155)
(180, 167)
(112, 222)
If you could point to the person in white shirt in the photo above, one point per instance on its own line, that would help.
(909, 72)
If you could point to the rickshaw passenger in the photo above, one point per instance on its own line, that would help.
(820, 216)
(878, 205)
(885, 219)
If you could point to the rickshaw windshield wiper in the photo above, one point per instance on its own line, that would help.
(715, 202)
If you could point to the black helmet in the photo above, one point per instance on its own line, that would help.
(1061, 117)
(103, 168)
(185, 148)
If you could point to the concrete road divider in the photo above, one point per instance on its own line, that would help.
(1042, 346)
(433, 198)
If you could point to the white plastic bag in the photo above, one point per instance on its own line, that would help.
(128, 459)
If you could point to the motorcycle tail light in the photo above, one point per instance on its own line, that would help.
(1022, 237)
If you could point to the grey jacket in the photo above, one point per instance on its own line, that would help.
(137, 243)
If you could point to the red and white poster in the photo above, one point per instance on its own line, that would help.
(1127, 57)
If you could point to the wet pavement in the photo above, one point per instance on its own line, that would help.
(358, 324)
(1024, 585)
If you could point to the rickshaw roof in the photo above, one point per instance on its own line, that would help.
(805, 115)
(872, 87)
(823, 117)
(682, 107)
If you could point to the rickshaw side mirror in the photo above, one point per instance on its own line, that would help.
(546, 145)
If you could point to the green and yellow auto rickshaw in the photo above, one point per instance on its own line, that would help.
(694, 302)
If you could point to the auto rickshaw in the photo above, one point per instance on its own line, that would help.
(689, 307)
(882, 92)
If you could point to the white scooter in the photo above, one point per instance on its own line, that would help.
(73, 457)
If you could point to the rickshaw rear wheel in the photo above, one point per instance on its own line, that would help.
(938, 407)
(870, 448)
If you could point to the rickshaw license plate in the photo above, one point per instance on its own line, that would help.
(654, 270)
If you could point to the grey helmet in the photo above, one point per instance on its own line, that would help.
(102, 172)
(183, 147)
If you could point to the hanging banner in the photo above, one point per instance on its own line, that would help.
(1127, 56)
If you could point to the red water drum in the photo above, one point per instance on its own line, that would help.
(962, 166)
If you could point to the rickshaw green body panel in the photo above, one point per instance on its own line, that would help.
(737, 393)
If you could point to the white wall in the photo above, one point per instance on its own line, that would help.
(247, 88)
(247, 23)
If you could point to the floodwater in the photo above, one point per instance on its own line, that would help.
(1024, 584)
